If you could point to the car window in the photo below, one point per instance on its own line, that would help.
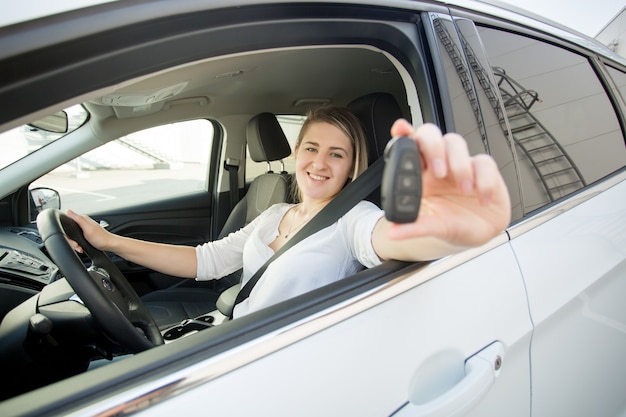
(149, 165)
(477, 107)
(620, 80)
(26, 139)
(565, 129)
(291, 125)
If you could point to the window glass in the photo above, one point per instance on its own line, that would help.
(492, 111)
(23, 140)
(619, 78)
(291, 125)
(474, 100)
(564, 127)
(465, 117)
(150, 165)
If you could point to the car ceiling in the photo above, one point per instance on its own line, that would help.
(283, 81)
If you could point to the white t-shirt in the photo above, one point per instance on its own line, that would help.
(339, 250)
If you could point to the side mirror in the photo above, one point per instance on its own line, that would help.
(55, 123)
(44, 198)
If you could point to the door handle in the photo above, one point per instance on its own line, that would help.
(481, 371)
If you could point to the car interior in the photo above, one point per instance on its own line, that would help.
(175, 122)
(243, 96)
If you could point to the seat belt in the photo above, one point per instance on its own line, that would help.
(351, 194)
(232, 166)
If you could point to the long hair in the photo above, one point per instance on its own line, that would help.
(350, 125)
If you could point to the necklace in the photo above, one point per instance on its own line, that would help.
(296, 227)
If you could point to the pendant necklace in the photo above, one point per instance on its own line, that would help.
(291, 226)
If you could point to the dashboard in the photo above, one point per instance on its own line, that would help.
(24, 267)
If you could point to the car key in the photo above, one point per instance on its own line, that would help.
(401, 188)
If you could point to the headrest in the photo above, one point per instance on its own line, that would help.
(377, 112)
(266, 140)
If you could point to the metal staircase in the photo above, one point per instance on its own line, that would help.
(141, 148)
(556, 171)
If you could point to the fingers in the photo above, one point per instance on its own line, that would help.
(78, 219)
(460, 163)
(485, 180)
(433, 149)
(447, 157)
(443, 155)
(74, 216)
(428, 138)
(75, 245)
(82, 220)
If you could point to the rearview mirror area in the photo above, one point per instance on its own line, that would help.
(54, 123)
(21, 141)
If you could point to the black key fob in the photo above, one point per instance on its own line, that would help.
(401, 188)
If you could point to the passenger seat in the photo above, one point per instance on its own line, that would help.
(267, 143)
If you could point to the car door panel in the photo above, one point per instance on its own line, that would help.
(574, 266)
(368, 363)
(181, 221)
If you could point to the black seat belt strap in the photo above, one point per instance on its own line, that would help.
(354, 192)
(232, 166)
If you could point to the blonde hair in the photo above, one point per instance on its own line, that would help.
(350, 125)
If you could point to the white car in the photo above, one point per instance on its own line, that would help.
(138, 113)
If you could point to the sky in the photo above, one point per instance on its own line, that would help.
(588, 17)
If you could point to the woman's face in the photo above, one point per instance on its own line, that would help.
(324, 161)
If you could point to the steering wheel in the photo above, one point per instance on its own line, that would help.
(102, 287)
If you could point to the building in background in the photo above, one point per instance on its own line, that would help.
(614, 33)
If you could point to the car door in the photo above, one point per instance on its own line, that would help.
(570, 241)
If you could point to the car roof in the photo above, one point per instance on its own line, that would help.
(282, 81)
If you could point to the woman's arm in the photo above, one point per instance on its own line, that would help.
(465, 201)
(173, 260)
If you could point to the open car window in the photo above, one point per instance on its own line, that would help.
(150, 165)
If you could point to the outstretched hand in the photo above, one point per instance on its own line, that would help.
(465, 201)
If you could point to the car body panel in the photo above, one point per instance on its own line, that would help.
(541, 301)
(574, 266)
(374, 325)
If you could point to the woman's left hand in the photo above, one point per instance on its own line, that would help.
(465, 201)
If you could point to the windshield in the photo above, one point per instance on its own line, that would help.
(17, 143)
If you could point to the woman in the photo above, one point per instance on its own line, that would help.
(464, 203)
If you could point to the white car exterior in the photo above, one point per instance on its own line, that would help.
(532, 323)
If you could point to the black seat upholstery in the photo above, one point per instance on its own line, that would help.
(267, 143)
(377, 112)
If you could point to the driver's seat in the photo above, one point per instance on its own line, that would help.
(267, 143)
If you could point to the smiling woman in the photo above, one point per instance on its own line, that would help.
(329, 143)
(173, 154)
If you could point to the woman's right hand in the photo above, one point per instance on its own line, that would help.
(95, 234)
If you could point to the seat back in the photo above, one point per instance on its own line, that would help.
(377, 112)
(267, 143)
